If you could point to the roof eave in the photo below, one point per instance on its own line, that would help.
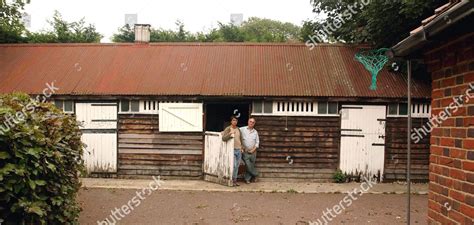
(418, 39)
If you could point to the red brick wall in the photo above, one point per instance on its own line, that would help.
(451, 187)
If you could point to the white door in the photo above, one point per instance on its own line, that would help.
(363, 140)
(99, 128)
(218, 159)
(180, 117)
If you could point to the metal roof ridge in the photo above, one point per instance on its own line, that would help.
(180, 44)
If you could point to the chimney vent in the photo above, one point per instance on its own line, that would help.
(142, 33)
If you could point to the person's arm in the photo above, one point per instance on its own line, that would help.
(226, 135)
(257, 143)
(242, 149)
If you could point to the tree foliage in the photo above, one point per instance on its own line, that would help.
(40, 162)
(11, 26)
(380, 22)
(267, 30)
(66, 32)
(253, 30)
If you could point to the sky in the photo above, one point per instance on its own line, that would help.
(197, 15)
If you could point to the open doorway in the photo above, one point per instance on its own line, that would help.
(218, 115)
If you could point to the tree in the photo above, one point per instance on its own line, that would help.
(11, 26)
(266, 30)
(377, 22)
(253, 30)
(125, 34)
(230, 33)
(40, 162)
(66, 32)
(210, 36)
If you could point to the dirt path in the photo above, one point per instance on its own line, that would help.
(186, 207)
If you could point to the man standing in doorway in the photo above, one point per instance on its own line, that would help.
(250, 143)
(229, 132)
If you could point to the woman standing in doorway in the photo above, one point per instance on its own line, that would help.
(229, 132)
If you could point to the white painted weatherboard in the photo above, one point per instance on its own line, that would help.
(180, 117)
(218, 159)
(99, 127)
(363, 140)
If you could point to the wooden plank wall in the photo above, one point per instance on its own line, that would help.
(396, 151)
(144, 151)
(312, 142)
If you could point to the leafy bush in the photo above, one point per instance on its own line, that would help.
(40, 162)
(339, 177)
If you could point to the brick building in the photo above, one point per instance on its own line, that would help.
(445, 44)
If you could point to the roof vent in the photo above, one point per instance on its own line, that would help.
(142, 33)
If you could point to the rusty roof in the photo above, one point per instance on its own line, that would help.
(196, 69)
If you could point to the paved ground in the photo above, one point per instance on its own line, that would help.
(202, 207)
(199, 185)
(200, 202)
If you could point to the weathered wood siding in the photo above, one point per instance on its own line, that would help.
(396, 151)
(144, 151)
(311, 142)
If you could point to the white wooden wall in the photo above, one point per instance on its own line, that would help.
(99, 127)
(218, 158)
(362, 140)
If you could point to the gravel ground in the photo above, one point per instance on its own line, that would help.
(201, 207)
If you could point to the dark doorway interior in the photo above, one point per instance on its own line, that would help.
(218, 115)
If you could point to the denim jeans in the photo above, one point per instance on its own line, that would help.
(237, 157)
(249, 160)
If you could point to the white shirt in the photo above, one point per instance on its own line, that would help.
(250, 137)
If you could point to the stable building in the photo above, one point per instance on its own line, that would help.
(147, 108)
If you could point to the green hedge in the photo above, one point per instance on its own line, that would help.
(40, 162)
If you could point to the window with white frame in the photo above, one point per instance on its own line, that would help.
(328, 108)
(262, 107)
(420, 110)
(65, 105)
(149, 107)
(129, 106)
(141, 106)
(295, 108)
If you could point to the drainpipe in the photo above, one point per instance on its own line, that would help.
(409, 143)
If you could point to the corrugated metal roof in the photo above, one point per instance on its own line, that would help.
(214, 69)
